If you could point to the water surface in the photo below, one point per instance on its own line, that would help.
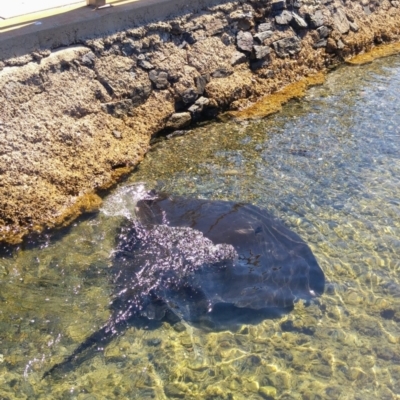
(329, 167)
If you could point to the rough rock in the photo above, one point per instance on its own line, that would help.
(146, 65)
(354, 27)
(179, 120)
(298, 22)
(159, 78)
(198, 107)
(323, 32)
(287, 47)
(245, 24)
(221, 73)
(244, 41)
(284, 18)
(278, 5)
(130, 47)
(88, 59)
(238, 58)
(261, 52)
(316, 19)
(262, 36)
(265, 26)
(189, 95)
(340, 21)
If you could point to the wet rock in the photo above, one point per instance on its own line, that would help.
(238, 58)
(289, 326)
(353, 374)
(287, 47)
(176, 134)
(387, 354)
(260, 52)
(153, 342)
(340, 21)
(179, 120)
(179, 326)
(284, 18)
(267, 392)
(315, 20)
(159, 78)
(174, 391)
(244, 41)
(388, 314)
(262, 36)
(298, 22)
(322, 370)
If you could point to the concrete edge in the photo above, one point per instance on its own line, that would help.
(83, 23)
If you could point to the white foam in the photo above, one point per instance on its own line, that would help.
(122, 202)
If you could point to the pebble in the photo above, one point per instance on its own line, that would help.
(267, 392)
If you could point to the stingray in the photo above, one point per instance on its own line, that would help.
(209, 263)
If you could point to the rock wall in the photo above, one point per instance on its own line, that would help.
(73, 120)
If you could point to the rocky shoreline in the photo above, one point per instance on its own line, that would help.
(74, 120)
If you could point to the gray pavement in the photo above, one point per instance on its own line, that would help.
(53, 29)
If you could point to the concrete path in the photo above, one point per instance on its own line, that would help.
(74, 21)
(16, 8)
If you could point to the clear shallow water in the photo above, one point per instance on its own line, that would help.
(329, 166)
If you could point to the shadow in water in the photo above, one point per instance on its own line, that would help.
(215, 264)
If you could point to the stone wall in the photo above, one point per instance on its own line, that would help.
(73, 120)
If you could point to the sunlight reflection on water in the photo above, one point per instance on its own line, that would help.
(329, 166)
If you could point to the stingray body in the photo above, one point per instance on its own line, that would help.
(204, 262)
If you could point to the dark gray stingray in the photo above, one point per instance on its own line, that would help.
(207, 262)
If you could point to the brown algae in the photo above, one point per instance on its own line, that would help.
(273, 103)
(385, 50)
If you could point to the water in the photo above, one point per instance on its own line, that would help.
(329, 166)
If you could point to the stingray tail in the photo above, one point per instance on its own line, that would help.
(87, 349)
